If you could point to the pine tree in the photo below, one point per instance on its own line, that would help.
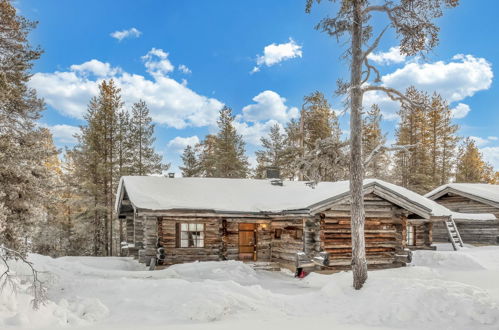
(371, 139)
(223, 155)
(292, 151)
(97, 158)
(317, 133)
(191, 166)
(25, 180)
(272, 154)
(124, 150)
(429, 129)
(318, 120)
(208, 156)
(471, 168)
(145, 160)
(413, 23)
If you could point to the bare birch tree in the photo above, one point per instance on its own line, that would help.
(413, 23)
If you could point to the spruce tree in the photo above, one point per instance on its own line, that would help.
(25, 180)
(191, 166)
(471, 168)
(124, 150)
(321, 154)
(318, 120)
(208, 156)
(272, 153)
(145, 160)
(230, 161)
(371, 139)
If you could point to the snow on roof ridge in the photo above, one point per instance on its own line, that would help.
(234, 194)
(482, 190)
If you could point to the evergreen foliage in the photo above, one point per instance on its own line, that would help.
(223, 154)
(111, 145)
(25, 150)
(429, 131)
(144, 160)
(371, 139)
(471, 168)
(273, 153)
(191, 166)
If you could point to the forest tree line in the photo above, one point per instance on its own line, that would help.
(427, 152)
(63, 203)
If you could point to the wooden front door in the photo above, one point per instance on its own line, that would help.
(247, 241)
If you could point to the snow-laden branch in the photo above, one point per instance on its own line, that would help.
(36, 287)
(381, 147)
(374, 44)
(393, 94)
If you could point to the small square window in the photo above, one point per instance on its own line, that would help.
(191, 235)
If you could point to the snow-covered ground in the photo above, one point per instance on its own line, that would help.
(441, 290)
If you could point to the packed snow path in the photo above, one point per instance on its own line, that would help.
(442, 290)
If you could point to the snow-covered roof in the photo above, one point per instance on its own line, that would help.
(254, 196)
(488, 193)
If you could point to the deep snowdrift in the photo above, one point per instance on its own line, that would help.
(443, 290)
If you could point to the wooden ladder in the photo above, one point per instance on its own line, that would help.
(454, 236)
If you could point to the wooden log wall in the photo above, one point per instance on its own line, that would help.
(129, 234)
(384, 232)
(138, 236)
(221, 240)
(150, 225)
(477, 232)
(287, 239)
(423, 233)
(465, 205)
(472, 231)
(312, 235)
(175, 255)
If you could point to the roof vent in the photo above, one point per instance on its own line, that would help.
(171, 175)
(276, 182)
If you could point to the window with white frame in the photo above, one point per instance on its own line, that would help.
(191, 235)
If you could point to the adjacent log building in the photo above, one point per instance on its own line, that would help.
(210, 219)
(470, 198)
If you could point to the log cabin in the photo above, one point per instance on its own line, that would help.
(178, 220)
(470, 198)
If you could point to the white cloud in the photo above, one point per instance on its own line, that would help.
(179, 143)
(269, 105)
(391, 56)
(96, 68)
(171, 102)
(276, 53)
(184, 69)
(479, 141)
(456, 80)
(388, 107)
(491, 155)
(462, 77)
(63, 133)
(460, 110)
(130, 33)
(252, 132)
(157, 62)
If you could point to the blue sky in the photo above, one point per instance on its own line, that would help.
(260, 57)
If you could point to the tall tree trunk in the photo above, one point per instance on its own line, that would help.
(359, 264)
